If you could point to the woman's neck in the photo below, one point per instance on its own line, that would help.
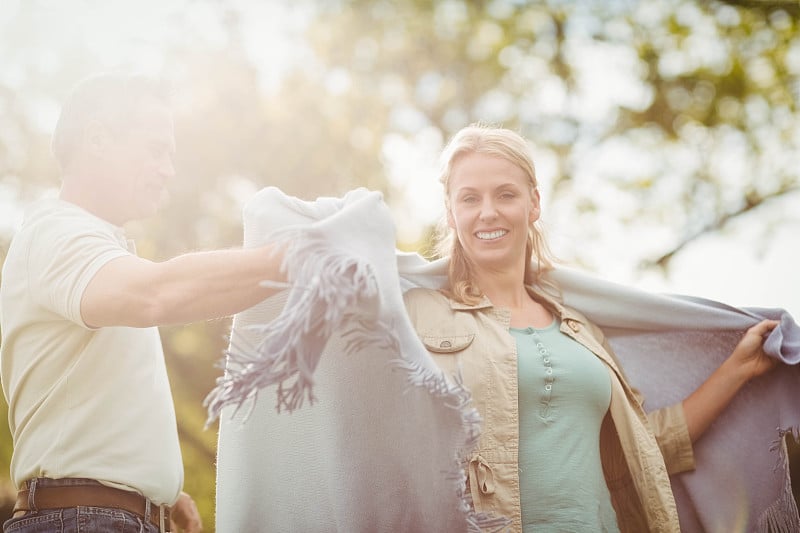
(507, 290)
(504, 289)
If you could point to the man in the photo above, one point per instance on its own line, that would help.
(82, 366)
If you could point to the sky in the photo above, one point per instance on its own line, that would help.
(750, 262)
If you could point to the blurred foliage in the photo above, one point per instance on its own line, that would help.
(711, 78)
(702, 96)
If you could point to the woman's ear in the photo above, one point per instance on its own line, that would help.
(536, 209)
(450, 220)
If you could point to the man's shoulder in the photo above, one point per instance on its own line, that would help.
(55, 209)
(54, 220)
(53, 231)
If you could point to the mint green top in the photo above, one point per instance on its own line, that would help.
(564, 393)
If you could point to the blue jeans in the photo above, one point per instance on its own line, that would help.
(77, 519)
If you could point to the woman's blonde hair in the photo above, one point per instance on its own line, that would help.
(500, 142)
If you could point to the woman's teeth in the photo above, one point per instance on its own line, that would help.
(488, 235)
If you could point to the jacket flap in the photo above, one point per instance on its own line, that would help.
(447, 343)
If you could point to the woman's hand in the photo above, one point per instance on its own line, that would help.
(184, 515)
(747, 361)
(748, 358)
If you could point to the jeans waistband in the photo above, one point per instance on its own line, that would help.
(48, 493)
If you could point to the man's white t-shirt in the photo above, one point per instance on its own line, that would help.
(83, 402)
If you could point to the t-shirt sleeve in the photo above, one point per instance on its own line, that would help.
(63, 259)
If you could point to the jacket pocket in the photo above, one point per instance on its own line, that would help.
(447, 343)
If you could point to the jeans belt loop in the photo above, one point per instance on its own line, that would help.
(32, 495)
(147, 509)
(161, 525)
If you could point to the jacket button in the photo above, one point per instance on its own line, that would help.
(445, 344)
(573, 325)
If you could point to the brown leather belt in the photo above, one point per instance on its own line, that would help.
(94, 496)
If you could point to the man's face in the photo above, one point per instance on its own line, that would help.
(140, 161)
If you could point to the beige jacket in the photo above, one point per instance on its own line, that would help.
(638, 450)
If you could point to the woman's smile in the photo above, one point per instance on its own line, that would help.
(490, 235)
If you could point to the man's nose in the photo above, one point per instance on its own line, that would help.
(167, 168)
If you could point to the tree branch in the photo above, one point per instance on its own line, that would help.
(752, 201)
(792, 7)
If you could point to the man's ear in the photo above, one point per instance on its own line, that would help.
(96, 138)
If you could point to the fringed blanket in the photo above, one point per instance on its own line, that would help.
(333, 417)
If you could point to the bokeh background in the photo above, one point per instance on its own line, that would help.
(666, 132)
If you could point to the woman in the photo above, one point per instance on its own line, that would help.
(566, 444)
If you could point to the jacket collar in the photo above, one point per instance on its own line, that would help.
(539, 294)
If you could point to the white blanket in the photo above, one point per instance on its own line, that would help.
(379, 447)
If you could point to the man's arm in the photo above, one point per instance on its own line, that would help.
(135, 292)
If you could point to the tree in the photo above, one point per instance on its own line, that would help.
(662, 119)
(681, 87)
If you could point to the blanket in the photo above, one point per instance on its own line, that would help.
(333, 416)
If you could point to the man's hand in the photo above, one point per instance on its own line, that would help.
(184, 515)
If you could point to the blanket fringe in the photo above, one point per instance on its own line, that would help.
(782, 516)
(324, 285)
(779, 445)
